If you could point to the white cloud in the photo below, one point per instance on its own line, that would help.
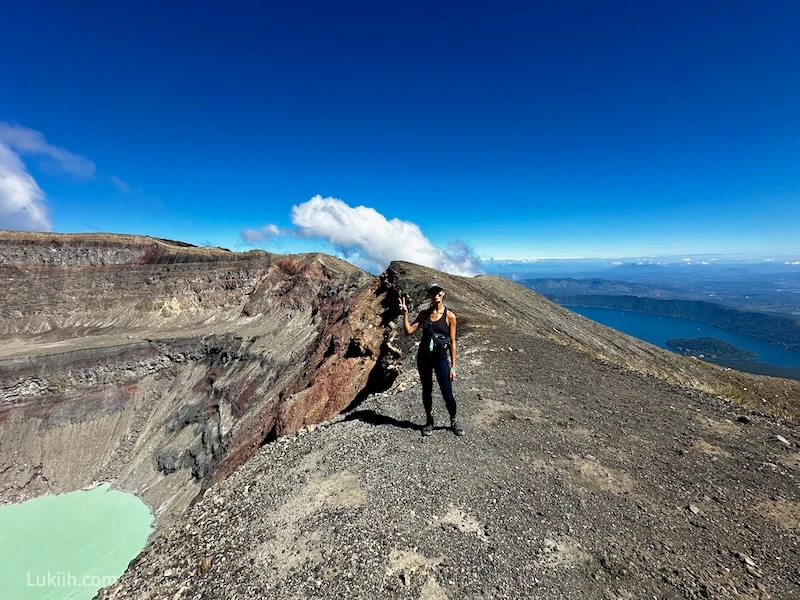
(368, 239)
(464, 256)
(259, 235)
(22, 201)
(372, 241)
(694, 261)
(28, 141)
(119, 184)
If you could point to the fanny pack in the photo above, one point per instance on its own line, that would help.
(439, 342)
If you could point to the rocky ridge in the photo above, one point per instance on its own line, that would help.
(161, 366)
(578, 478)
(209, 382)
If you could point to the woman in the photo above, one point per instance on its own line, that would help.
(438, 336)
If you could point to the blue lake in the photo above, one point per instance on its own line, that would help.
(656, 329)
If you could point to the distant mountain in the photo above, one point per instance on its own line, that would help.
(593, 285)
(762, 286)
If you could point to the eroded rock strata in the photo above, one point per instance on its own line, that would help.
(162, 367)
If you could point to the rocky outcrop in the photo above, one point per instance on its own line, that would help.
(163, 367)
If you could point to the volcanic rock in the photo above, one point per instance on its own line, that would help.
(573, 480)
(162, 366)
(268, 408)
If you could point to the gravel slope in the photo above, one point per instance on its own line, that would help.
(576, 479)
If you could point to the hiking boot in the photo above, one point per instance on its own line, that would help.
(456, 427)
(428, 429)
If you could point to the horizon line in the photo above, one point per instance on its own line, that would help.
(737, 255)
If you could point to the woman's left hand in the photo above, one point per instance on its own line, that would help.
(452, 373)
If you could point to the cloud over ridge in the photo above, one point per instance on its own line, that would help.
(368, 239)
(261, 234)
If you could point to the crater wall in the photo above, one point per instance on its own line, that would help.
(163, 367)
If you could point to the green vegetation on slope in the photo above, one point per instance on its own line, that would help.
(709, 347)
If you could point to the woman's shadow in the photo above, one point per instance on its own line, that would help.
(372, 418)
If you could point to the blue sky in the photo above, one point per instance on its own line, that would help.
(547, 128)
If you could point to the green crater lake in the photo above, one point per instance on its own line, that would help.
(71, 545)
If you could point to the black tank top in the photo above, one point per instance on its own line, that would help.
(430, 327)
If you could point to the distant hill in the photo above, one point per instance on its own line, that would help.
(594, 285)
(766, 286)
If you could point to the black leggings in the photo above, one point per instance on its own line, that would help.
(427, 364)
